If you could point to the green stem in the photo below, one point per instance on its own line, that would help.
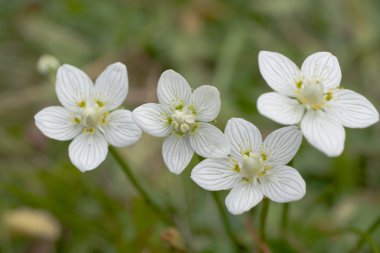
(284, 218)
(364, 236)
(263, 218)
(285, 211)
(226, 223)
(132, 178)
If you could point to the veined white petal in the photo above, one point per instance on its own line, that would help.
(352, 109)
(57, 123)
(111, 87)
(323, 132)
(88, 150)
(243, 197)
(282, 145)
(177, 153)
(279, 108)
(173, 89)
(322, 66)
(243, 136)
(206, 100)
(120, 129)
(215, 174)
(73, 87)
(208, 141)
(153, 119)
(280, 73)
(283, 184)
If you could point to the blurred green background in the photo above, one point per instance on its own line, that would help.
(208, 42)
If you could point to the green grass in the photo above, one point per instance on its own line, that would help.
(208, 42)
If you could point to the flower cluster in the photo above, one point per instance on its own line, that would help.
(309, 100)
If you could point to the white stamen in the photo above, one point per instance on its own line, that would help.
(182, 121)
(312, 94)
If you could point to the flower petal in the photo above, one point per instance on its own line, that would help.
(208, 141)
(73, 87)
(88, 150)
(177, 153)
(283, 184)
(352, 109)
(121, 130)
(206, 100)
(111, 87)
(279, 108)
(282, 145)
(215, 174)
(323, 132)
(173, 89)
(153, 119)
(323, 66)
(57, 123)
(243, 197)
(280, 73)
(243, 136)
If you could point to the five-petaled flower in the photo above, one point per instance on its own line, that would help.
(182, 117)
(312, 97)
(254, 169)
(90, 114)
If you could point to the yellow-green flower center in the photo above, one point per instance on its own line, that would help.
(182, 121)
(311, 94)
(251, 166)
(92, 117)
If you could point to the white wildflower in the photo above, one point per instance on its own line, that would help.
(90, 114)
(254, 168)
(312, 97)
(181, 116)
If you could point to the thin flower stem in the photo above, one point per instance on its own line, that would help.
(285, 211)
(263, 218)
(226, 223)
(364, 236)
(132, 178)
(224, 216)
(284, 218)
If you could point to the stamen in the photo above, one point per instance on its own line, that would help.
(82, 104)
(312, 95)
(182, 121)
(251, 166)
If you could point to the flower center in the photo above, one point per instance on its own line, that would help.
(312, 94)
(182, 121)
(251, 166)
(92, 117)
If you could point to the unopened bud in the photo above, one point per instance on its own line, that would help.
(47, 64)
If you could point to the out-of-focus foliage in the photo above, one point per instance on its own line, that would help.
(208, 42)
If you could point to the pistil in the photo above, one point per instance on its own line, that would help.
(91, 117)
(182, 121)
(251, 166)
(312, 95)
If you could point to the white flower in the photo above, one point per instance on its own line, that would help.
(312, 97)
(182, 117)
(254, 168)
(89, 114)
